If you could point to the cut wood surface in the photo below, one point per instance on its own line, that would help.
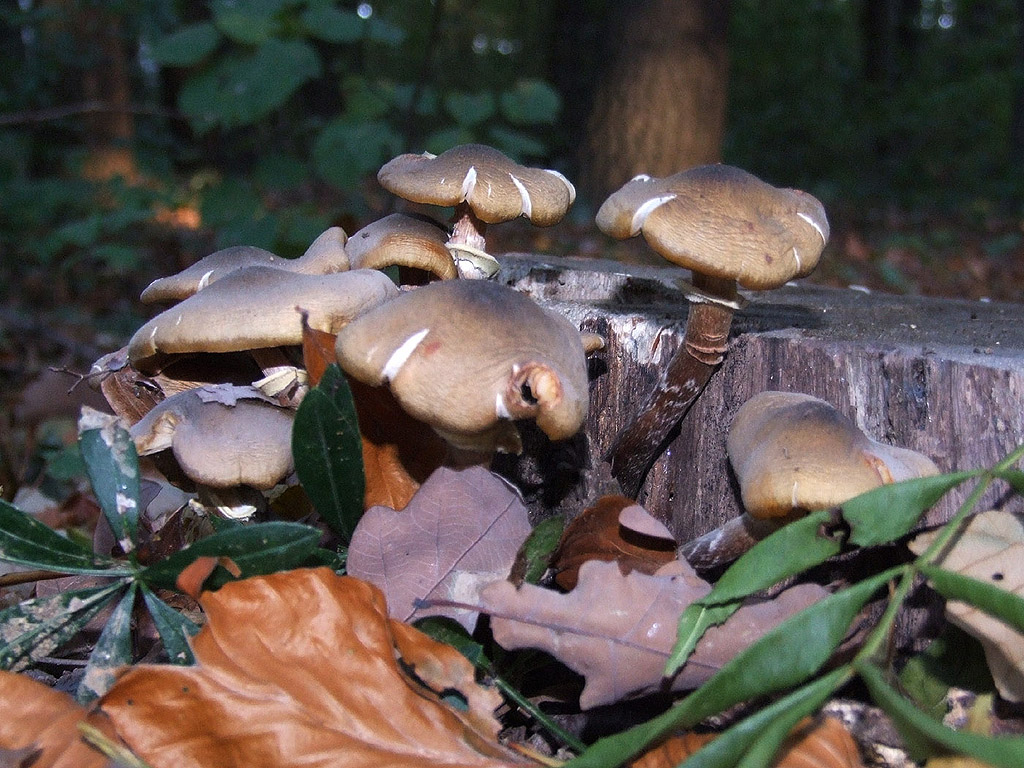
(943, 377)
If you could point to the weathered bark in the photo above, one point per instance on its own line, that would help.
(659, 106)
(945, 378)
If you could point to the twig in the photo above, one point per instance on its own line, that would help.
(27, 577)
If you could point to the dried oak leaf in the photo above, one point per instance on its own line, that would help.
(40, 726)
(460, 532)
(636, 542)
(990, 549)
(304, 668)
(824, 743)
(618, 630)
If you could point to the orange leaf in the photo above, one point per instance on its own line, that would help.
(36, 717)
(318, 680)
(317, 352)
(597, 535)
(812, 744)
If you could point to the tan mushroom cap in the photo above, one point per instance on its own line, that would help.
(404, 241)
(222, 436)
(792, 452)
(467, 357)
(325, 255)
(256, 308)
(722, 221)
(496, 188)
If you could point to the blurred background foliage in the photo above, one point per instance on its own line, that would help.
(138, 135)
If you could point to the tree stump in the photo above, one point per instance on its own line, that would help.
(943, 377)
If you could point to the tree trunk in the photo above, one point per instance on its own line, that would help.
(659, 106)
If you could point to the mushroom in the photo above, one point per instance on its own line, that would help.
(221, 436)
(486, 187)
(468, 357)
(256, 308)
(793, 453)
(404, 241)
(727, 227)
(325, 255)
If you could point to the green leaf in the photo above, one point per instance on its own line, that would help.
(694, 622)
(113, 468)
(348, 151)
(380, 31)
(363, 101)
(255, 549)
(36, 628)
(112, 651)
(26, 541)
(469, 109)
(250, 22)
(953, 659)
(328, 452)
(535, 553)
(515, 143)
(987, 597)
(998, 751)
(260, 231)
(186, 45)
(276, 170)
(887, 513)
(332, 24)
(173, 628)
(447, 630)
(230, 200)
(531, 101)
(446, 138)
(754, 741)
(1014, 477)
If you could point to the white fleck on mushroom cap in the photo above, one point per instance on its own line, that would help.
(722, 221)
(467, 357)
(218, 444)
(326, 254)
(255, 308)
(496, 188)
(405, 241)
(793, 452)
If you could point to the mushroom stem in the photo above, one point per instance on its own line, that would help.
(467, 228)
(704, 344)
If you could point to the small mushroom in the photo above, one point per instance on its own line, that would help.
(486, 187)
(221, 436)
(403, 241)
(468, 358)
(793, 453)
(727, 227)
(325, 255)
(256, 308)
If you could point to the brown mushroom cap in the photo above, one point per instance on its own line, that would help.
(404, 241)
(256, 308)
(467, 357)
(497, 188)
(792, 452)
(326, 254)
(222, 436)
(723, 222)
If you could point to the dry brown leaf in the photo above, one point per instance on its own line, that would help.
(825, 743)
(599, 534)
(617, 630)
(304, 668)
(36, 717)
(990, 549)
(461, 531)
(317, 352)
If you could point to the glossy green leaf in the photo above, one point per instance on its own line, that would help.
(186, 45)
(113, 650)
(36, 628)
(989, 598)
(113, 468)
(173, 628)
(26, 541)
(1014, 477)
(754, 741)
(953, 659)
(332, 24)
(998, 751)
(694, 622)
(531, 101)
(535, 553)
(889, 512)
(328, 452)
(256, 550)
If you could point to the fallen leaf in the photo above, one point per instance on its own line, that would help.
(38, 718)
(618, 630)
(461, 531)
(989, 549)
(317, 351)
(304, 668)
(825, 743)
(638, 544)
